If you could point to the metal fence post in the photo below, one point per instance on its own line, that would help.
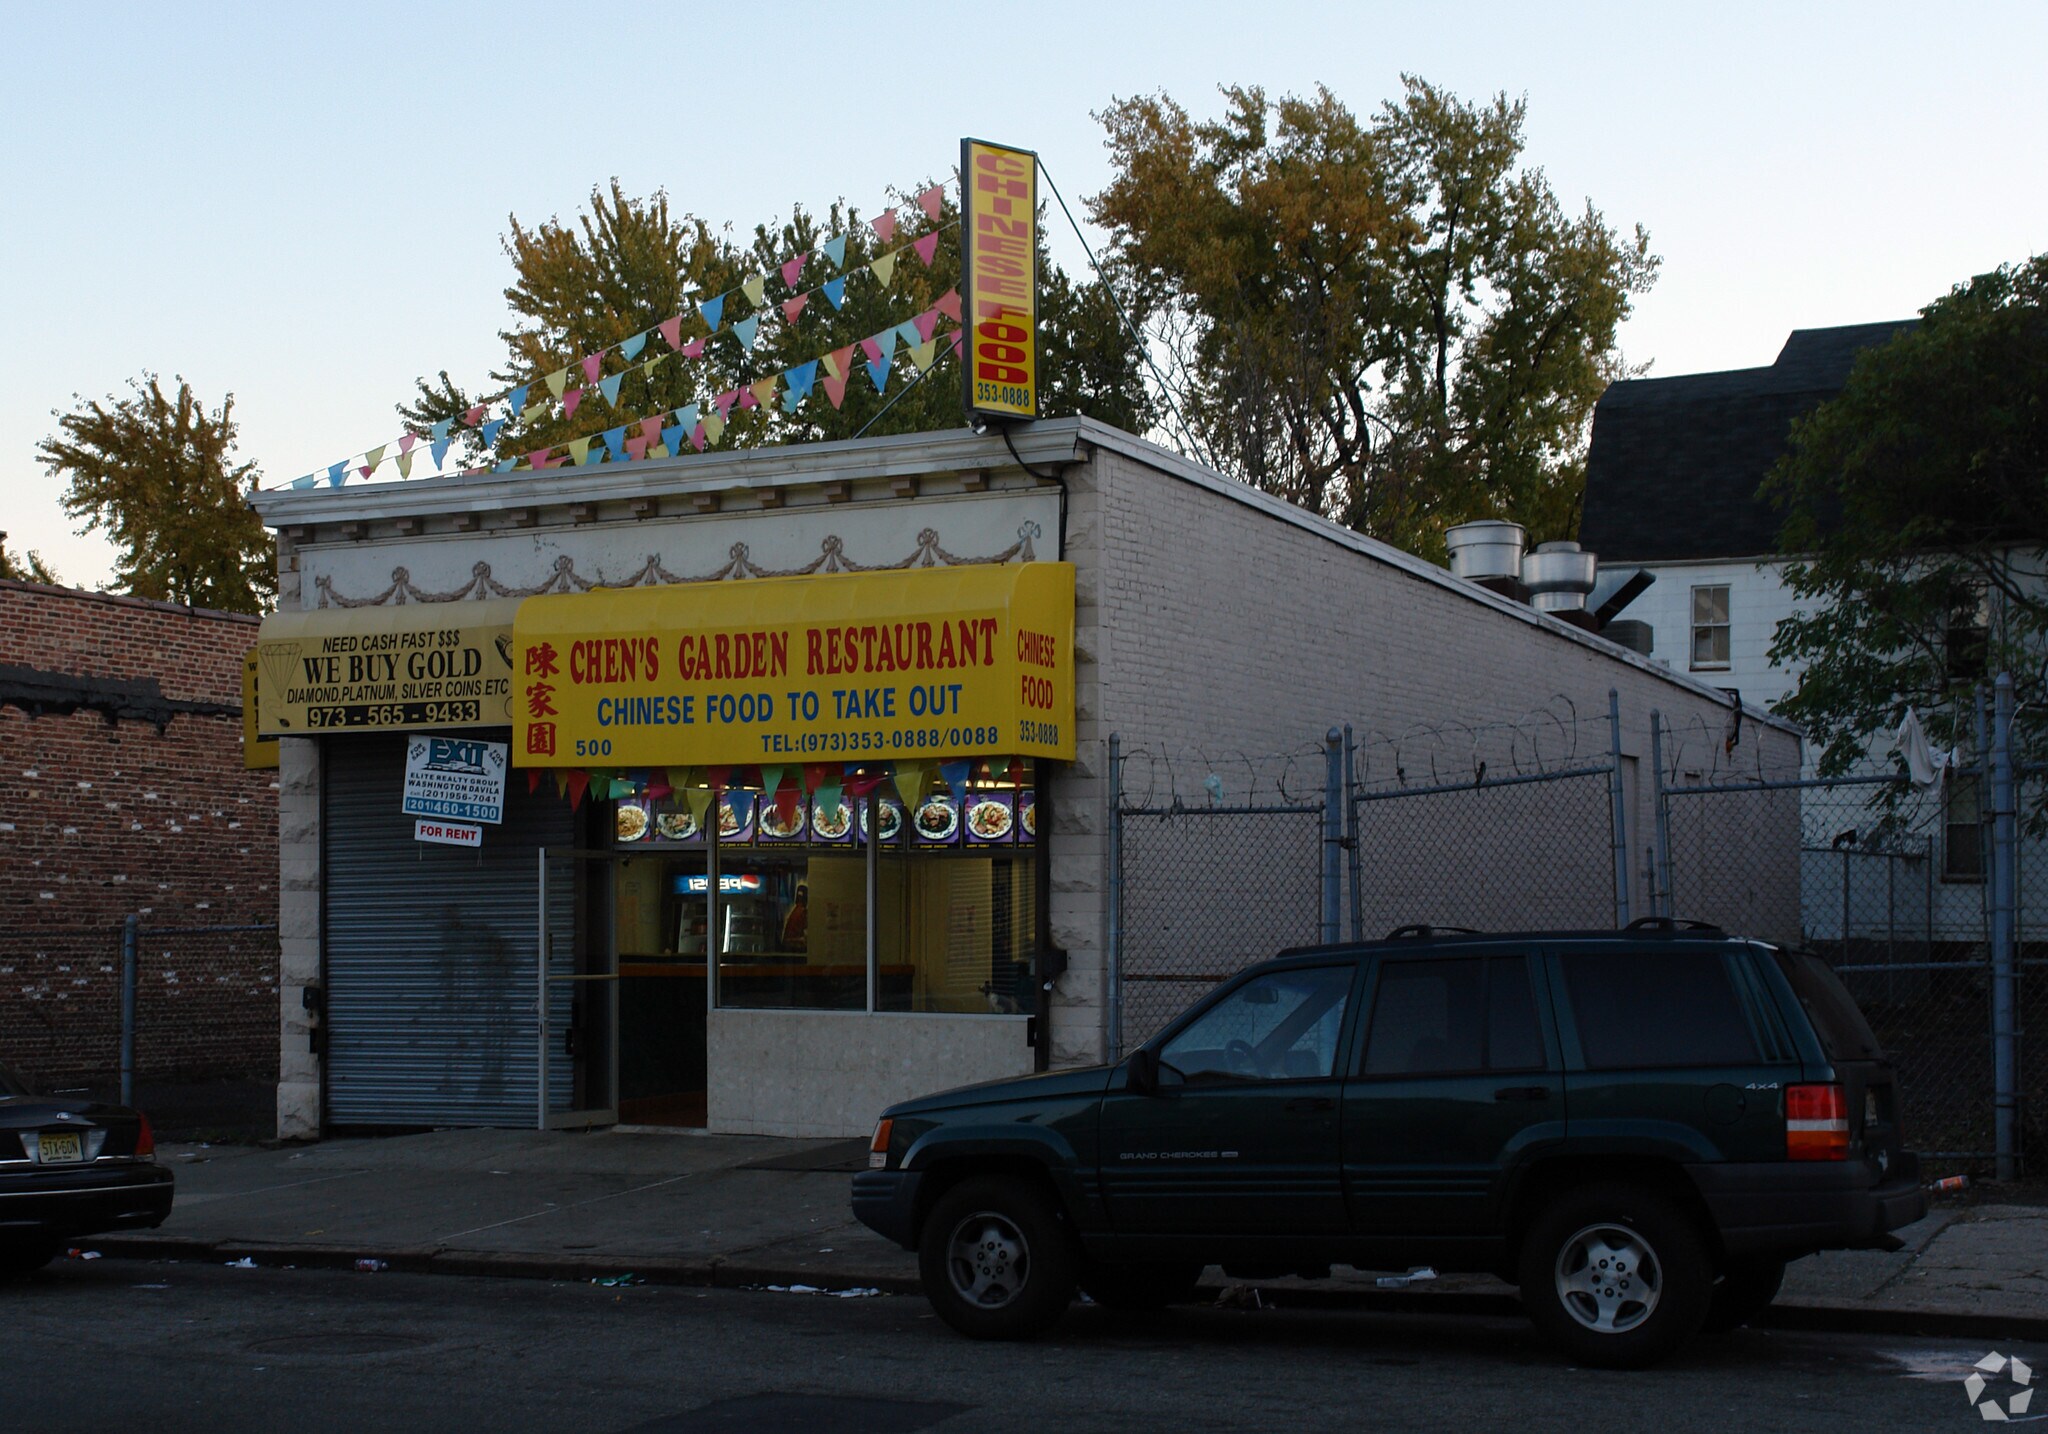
(2004, 1008)
(1661, 900)
(1333, 835)
(1620, 822)
(1114, 986)
(1351, 843)
(129, 942)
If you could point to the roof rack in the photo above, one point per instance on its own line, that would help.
(1669, 923)
(1423, 933)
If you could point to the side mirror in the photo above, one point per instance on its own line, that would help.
(1144, 1072)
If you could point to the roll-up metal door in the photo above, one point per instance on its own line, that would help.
(431, 950)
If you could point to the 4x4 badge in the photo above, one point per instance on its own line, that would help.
(1761, 1085)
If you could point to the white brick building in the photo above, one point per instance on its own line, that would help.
(1204, 615)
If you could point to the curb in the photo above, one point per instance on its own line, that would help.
(731, 1275)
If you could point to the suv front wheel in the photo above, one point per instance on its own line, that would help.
(1616, 1276)
(995, 1259)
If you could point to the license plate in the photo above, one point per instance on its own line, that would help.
(60, 1149)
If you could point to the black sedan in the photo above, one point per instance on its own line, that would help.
(69, 1169)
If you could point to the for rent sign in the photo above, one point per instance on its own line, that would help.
(999, 278)
(852, 667)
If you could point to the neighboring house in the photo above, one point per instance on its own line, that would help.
(124, 791)
(1672, 482)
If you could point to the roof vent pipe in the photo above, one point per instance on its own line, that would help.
(1489, 548)
(1559, 576)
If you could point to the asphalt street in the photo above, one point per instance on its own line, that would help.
(112, 1344)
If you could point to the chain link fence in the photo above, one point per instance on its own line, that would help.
(1216, 863)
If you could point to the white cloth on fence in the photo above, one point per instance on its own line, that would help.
(1925, 763)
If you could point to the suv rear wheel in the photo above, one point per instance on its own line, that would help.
(996, 1260)
(1745, 1290)
(1615, 1275)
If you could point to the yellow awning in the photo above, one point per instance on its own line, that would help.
(364, 669)
(922, 662)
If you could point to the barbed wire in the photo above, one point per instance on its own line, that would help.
(1548, 738)
(1197, 777)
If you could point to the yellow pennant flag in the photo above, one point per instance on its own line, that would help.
(375, 456)
(885, 269)
(832, 366)
(923, 354)
(405, 465)
(557, 381)
(698, 799)
(533, 412)
(579, 451)
(911, 778)
(713, 427)
(764, 391)
(649, 367)
(753, 288)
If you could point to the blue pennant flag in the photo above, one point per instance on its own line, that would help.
(800, 380)
(835, 290)
(686, 419)
(615, 440)
(835, 250)
(907, 332)
(879, 372)
(713, 311)
(745, 329)
(674, 438)
(440, 447)
(630, 349)
(609, 387)
(440, 430)
(954, 774)
(336, 472)
(792, 400)
(306, 482)
(515, 401)
(506, 466)
(491, 428)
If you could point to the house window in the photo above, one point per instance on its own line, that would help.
(1962, 820)
(1710, 626)
(1966, 634)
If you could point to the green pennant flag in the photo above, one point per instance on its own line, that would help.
(911, 779)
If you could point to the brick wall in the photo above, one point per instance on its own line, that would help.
(1205, 623)
(99, 821)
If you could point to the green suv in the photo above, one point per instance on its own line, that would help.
(1640, 1128)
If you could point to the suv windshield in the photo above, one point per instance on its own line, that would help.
(1844, 1033)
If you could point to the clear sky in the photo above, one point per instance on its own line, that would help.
(302, 204)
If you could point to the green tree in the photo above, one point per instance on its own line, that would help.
(29, 570)
(158, 474)
(629, 264)
(1395, 323)
(1918, 501)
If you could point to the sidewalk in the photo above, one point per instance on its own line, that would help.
(748, 1210)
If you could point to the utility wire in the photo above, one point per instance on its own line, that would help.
(1144, 348)
(895, 396)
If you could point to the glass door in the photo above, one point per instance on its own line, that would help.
(577, 988)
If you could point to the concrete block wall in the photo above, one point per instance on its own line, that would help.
(100, 821)
(1212, 617)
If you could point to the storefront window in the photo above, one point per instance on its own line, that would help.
(955, 919)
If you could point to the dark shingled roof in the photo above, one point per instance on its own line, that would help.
(1675, 462)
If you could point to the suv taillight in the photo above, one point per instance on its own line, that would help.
(145, 1138)
(1816, 1123)
(878, 1148)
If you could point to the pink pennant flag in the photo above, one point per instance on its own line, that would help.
(838, 361)
(792, 307)
(884, 225)
(474, 417)
(569, 401)
(593, 365)
(927, 246)
(724, 402)
(650, 429)
(672, 331)
(872, 349)
(792, 270)
(835, 388)
(405, 443)
(636, 447)
(927, 324)
(694, 348)
(929, 202)
(958, 335)
(697, 438)
(949, 304)
(747, 399)
(542, 459)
